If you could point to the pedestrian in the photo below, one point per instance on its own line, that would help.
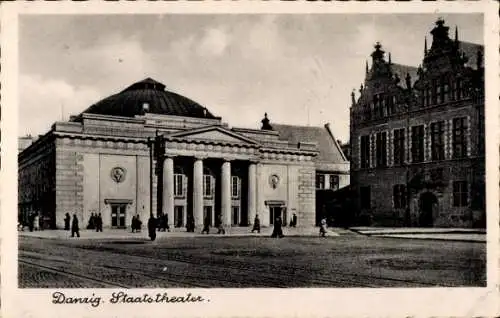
(36, 222)
(256, 224)
(294, 220)
(31, 220)
(322, 228)
(138, 223)
(98, 223)
(67, 220)
(74, 227)
(206, 225)
(152, 227)
(221, 226)
(134, 224)
(91, 223)
(190, 224)
(277, 230)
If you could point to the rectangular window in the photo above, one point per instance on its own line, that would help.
(460, 193)
(399, 196)
(381, 143)
(417, 146)
(178, 185)
(235, 187)
(320, 181)
(437, 140)
(399, 146)
(334, 182)
(207, 185)
(446, 92)
(460, 137)
(434, 92)
(439, 93)
(365, 197)
(481, 133)
(365, 152)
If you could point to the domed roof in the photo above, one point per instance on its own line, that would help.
(148, 96)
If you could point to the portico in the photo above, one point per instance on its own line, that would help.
(214, 178)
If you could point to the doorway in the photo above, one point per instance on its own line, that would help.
(274, 212)
(118, 215)
(428, 207)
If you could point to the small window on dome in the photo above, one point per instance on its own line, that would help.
(145, 107)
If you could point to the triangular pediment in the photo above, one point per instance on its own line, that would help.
(214, 133)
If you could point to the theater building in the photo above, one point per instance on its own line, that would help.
(99, 162)
(418, 137)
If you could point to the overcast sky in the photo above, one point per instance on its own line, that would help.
(300, 69)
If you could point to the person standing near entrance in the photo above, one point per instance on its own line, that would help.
(75, 229)
(256, 224)
(294, 220)
(152, 227)
(277, 230)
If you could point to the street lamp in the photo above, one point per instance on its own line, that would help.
(150, 146)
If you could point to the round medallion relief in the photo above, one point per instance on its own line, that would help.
(118, 174)
(274, 181)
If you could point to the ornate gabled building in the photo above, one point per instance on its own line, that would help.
(417, 136)
(100, 162)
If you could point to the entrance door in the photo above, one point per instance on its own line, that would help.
(118, 215)
(179, 216)
(428, 204)
(274, 212)
(207, 212)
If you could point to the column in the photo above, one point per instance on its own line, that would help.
(252, 192)
(226, 193)
(198, 192)
(168, 189)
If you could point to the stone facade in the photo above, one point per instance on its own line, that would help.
(438, 180)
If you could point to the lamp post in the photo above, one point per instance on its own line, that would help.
(150, 146)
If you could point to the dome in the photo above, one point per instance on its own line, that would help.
(148, 96)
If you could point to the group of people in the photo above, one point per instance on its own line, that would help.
(95, 222)
(206, 226)
(75, 228)
(34, 222)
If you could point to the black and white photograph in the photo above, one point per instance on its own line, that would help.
(250, 151)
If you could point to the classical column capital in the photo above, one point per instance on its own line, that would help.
(200, 157)
(227, 159)
(169, 156)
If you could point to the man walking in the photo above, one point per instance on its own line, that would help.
(152, 227)
(206, 225)
(75, 229)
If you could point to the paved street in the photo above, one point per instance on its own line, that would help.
(342, 261)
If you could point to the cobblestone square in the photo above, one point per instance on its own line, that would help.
(232, 262)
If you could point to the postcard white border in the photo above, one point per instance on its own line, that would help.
(250, 302)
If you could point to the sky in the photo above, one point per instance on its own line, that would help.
(300, 69)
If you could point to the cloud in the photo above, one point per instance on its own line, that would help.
(213, 42)
(44, 101)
